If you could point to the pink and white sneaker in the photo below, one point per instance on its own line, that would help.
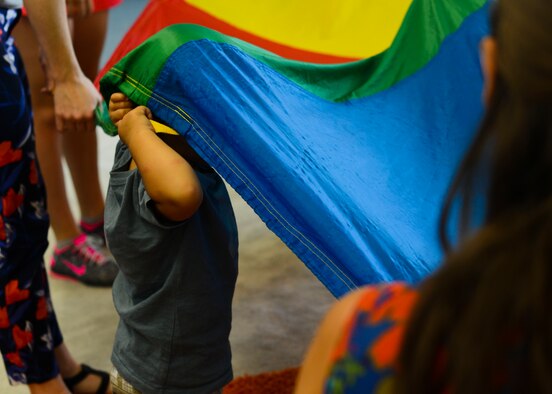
(85, 262)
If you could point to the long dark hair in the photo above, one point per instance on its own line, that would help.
(483, 323)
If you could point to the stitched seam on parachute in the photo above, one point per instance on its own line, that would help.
(230, 164)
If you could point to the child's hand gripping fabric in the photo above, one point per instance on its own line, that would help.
(119, 106)
(168, 178)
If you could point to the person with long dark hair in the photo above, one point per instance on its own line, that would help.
(483, 322)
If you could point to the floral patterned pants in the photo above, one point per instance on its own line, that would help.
(28, 328)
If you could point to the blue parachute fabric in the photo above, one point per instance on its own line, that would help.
(354, 188)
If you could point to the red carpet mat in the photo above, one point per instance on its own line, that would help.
(278, 382)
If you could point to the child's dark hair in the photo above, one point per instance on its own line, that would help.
(483, 323)
(181, 146)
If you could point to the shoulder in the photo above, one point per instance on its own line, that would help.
(370, 338)
(372, 311)
(362, 329)
(391, 302)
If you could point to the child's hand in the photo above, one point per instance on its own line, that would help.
(119, 106)
(134, 123)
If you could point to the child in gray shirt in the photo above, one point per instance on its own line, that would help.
(171, 228)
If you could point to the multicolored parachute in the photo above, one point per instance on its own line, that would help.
(347, 163)
(330, 31)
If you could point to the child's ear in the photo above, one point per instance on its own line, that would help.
(489, 60)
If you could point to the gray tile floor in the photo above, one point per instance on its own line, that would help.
(277, 304)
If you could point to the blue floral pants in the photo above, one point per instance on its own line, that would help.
(28, 327)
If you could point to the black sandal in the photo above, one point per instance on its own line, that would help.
(85, 371)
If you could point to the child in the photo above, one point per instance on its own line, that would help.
(171, 228)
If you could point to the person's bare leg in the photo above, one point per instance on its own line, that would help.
(81, 150)
(68, 367)
(52, 386)
(48, 139)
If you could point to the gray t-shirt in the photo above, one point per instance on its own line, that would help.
(175, 286)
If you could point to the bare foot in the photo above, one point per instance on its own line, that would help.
(69, 368)
(52, 386)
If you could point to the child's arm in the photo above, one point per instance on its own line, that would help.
(168, 178)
